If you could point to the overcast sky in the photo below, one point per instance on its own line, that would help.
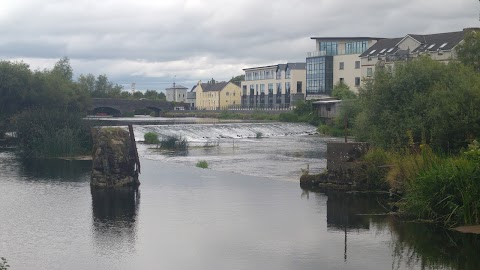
(153, 42)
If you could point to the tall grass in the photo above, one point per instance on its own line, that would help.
(447, 192)
(174, 143)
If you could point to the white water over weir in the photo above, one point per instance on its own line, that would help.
(201, 133)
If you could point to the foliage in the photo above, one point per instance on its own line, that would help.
(469, 50)
(154, 95)
(99, 87)
(258, 135)
(375, 168)
(342, 91)
(330, 130)
(174, 143)
(303, 112)
(151, 138)
(4, 264)
(447, 192)
(202, 164)
(436, 102)
(238, 79)
(473, 151)
(49, 133)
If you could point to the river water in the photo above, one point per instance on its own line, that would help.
(246, 212)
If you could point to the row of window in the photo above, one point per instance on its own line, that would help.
(355, 47)
(254, 88)
(357, 81)
(266, 74)
(342, 65)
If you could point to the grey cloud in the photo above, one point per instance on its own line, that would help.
(133, 39)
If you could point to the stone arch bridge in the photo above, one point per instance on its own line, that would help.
(117, 107)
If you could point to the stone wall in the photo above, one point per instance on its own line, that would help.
(343, 167)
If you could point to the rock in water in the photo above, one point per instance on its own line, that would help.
(113, 159)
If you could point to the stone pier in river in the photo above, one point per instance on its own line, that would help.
(115, 159)
(343, 167)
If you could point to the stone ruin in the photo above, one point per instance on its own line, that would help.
(115, 159)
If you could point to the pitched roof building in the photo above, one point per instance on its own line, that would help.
(384, 53)
(216, 95)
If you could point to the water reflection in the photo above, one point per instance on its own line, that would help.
(413, 244)
(56, 169)
(114, 218)
(433, 247)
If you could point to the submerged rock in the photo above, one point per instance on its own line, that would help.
(114, 159)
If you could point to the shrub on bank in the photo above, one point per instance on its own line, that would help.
(52, 133)
(447, 192)
(151, 138)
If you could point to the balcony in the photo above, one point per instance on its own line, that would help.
(338, 52)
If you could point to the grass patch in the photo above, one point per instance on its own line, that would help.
(151, 138)
(202, 164)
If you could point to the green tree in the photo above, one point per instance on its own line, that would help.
(237, 79)
(469, 50)
(342, 91)
(432, 102)
(137, 95)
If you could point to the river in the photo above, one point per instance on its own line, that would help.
(246, 212)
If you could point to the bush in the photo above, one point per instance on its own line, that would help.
(52, 133)
(288, 117)
(202, 164)
(447, 192)
(375, 166)
(151, 138)
(174, 143)
(259, 135)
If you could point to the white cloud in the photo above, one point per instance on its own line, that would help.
(152, 41)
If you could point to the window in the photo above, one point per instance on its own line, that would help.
(342, 80)
(330, 48)
(382, 51)
(357, 64)
(287, 73)
(369, 72)
(443, 45)
(262, 88)
(226, 94)
(244, 89)
(357, 81)
(299, 87)
(373, 51)
(279, 74)
(270, 88)
(431, 46)
(390, 50)
(342, 65)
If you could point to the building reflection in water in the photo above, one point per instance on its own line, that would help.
(114, 218)
(413, 243)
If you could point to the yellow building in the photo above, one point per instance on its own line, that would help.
(218, 95)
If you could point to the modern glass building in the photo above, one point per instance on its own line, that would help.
(335, 59)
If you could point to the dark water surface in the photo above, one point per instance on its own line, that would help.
(184, 217)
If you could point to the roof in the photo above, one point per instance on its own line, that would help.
(213, 87)
(271, 66)
(345, 38)
(297, 65)
(441, 41)
(176, 87)
(431, 42)
(383, 45)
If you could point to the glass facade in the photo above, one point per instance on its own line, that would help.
(320, 75)
(356, 47)
(330, 48)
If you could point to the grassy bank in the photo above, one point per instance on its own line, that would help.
(434, 187)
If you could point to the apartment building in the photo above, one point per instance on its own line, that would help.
(383, 54)
(216, 95)
(274, 86)
(336, 59)
(176, 93)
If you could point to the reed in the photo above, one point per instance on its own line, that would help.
(174, 143)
